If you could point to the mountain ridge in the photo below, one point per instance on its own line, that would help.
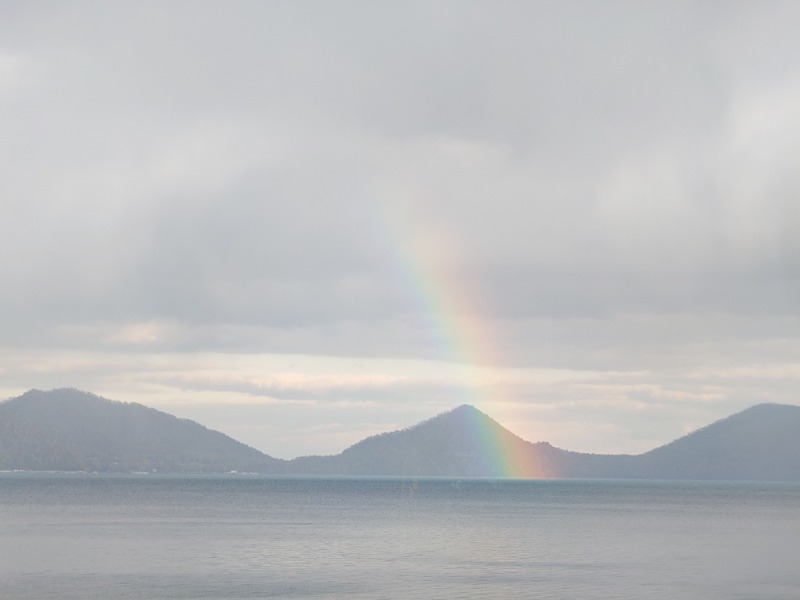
(71, 430)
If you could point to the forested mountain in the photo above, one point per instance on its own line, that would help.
(759, 443)
(461, 443)
(70, 430)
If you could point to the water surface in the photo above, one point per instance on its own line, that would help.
(226, 537)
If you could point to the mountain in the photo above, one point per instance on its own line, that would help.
(70, 430)
(461, 443)
(759, 443)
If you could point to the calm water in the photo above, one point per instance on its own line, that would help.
(82, 536)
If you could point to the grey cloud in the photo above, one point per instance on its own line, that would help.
(223, 166)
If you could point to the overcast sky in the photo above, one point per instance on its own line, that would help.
(302, 223)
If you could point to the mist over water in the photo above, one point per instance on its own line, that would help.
(82, 536)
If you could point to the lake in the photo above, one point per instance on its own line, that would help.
(238, 536)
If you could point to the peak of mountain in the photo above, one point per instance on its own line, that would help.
(463, 442)
(71, 430)
(463, 409)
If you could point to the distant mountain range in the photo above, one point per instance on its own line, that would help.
(71, 430)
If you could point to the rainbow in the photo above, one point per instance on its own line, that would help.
(504, 454)
(455, 316)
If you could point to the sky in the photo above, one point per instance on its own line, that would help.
(306, 222)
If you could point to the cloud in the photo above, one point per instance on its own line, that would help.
(589, 188)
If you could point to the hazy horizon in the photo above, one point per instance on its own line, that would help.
(276, 452)
(305, 223)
